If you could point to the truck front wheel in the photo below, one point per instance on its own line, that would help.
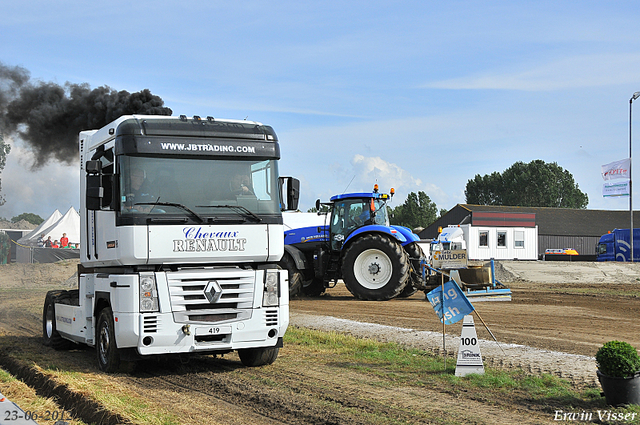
(375, 268)
(106, 349)
(252, 357)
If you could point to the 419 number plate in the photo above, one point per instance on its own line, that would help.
(213, 330)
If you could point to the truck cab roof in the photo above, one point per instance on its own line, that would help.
(182, 126)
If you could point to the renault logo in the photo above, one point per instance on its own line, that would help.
(212, 291)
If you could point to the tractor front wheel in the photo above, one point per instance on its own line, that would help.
(375, 268)
(295, 277)
(415, 253)
(313, 287)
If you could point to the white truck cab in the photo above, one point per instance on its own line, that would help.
(181, 232)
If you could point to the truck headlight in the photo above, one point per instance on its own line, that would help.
(271, 295)
(148, 293)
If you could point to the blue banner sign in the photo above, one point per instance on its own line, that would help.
(453, 305)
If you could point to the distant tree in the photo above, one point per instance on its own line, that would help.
(323, 208)
(417, 211)
(536, 184)
(30, 217)
(4, 151)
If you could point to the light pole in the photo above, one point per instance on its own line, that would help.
(634, 97)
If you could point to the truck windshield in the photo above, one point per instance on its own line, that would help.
(201, 189)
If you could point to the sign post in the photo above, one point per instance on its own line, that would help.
(457, 306)
(469, 357)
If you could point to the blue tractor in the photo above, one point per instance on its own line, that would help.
(376, 261)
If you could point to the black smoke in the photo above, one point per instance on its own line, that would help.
(48, 116)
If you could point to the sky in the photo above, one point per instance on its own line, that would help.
(414, 95)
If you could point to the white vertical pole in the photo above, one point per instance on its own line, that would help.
(634, 97)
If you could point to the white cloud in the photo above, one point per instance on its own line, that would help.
(566, 73)
(370, 170)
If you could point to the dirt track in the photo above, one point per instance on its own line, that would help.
(562, 310)
(571, 317)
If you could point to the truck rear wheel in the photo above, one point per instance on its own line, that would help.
(50, 334)
(375, 267)
(295, 277)
(106, 349)
(252, 357)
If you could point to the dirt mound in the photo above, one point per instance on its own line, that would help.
(18, 275)
(552, 272)
(20, 225)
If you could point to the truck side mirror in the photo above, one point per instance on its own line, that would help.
(292, 193)
(318, 205)
(93, 167)
(95, 191)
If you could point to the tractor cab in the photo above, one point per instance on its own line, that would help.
(351, 211)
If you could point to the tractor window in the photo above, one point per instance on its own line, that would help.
(338, 225)
(381, 217)
(347, 216)
(358, 215)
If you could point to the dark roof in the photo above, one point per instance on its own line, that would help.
(550, 221)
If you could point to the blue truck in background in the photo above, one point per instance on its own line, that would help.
(616, 246)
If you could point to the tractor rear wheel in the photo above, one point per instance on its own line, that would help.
(375, 267)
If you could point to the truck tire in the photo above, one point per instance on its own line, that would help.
(252, 357)
(50, 334)
(106, 349)
(415, 253)
(313, 287)
(295, 277)
(375, 268)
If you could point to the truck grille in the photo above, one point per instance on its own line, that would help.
(211, 295)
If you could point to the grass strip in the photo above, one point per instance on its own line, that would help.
(403, 367)
(40, 408)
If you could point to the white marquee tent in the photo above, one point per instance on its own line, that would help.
(53, 219)
(69, 223)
